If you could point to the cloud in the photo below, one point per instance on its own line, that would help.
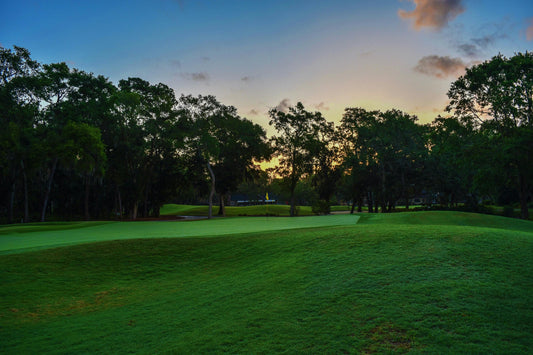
(253, 112)
(440, 67)
(487, 40)
(477, 46)
(284, 105)
(202, 76)
(322, 106)
(432, 13)
(247, 79)
(529, 30)
(175, 63)
(468, 49)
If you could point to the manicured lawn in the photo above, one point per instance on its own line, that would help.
(20, 238)
(426, 282)
(259, 210)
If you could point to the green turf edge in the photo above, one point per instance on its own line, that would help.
(21, 242)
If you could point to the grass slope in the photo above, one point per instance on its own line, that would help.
(22, 238)
(439, 282)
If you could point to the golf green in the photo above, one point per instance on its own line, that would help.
(21, 238)
(423, 283)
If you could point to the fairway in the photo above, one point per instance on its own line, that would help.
(22, 238)
(425, 282)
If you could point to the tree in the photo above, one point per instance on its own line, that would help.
(454, 151)
(87, 153)
(382, 151)
(18, 113)
(149, 126)
(326, 167)
(242, 144)
(201, 116)
(90, 103)
(359, 161)
(294, 146)
(401, 148)
(499, 95)
(226, 144)
(52, 88)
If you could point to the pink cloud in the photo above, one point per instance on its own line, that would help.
(321, 106)
(529, 30)
(284, 105)
(432, 13)
(440, 67)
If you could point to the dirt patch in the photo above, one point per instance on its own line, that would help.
(388, 337)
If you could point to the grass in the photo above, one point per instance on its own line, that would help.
(232, 211)
(426, 282)
(21, 238)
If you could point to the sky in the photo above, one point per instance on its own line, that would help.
(257, 55)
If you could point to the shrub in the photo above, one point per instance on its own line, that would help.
(508, 211)
(321, 207)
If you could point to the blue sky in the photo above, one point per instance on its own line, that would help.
(256, 55)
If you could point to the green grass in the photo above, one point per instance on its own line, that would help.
(426, 282)
(259, 210)
(20, 239)
(47, 226)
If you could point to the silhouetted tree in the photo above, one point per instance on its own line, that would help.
(18, 114)
(298, 135)
(499, 95)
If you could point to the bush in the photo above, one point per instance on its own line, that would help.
(508, 211)
(321, 207)
(461, 208)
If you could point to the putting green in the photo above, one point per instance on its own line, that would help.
(16, 242)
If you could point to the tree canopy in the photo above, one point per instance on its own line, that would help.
(75, 145)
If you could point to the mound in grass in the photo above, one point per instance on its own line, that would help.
(424, 283)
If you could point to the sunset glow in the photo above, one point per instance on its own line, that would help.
(255, 54)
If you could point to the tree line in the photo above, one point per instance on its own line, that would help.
(75, 145)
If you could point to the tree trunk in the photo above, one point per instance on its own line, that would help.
(48, 189)
(292, 210)
(219, 205)
(383, 191)
(157, 211)
(10, 217)
(370, 203)
(212, 193)
(405, 192)
(11, 199)
(135, 210)
(353, 206)
(146, 207)
(86, 204)
(26, 200)
(222, 207)
(119, 197)
(524, 211)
